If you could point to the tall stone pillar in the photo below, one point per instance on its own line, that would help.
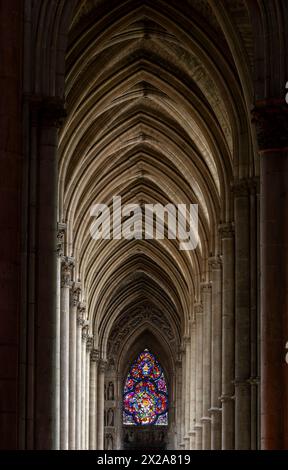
(101, 403)
(199, 374)
(60, 253)
(187, 393)
(179, 403)
(50, 113)
(94, 357)
(89, 346)
(271, 118)
(255, 313)
(11, 224)
(192, 432)
(74, 302)
(242, 317)
(206, 420)
(66, 275)
(84, 383)
(216, 351)
(80, 324)
(183, 394)
(228, 336)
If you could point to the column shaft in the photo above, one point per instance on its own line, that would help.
(216, 365)
(83, 386)
(242, 318)
(199, 374)
(64, 353)
(100, 410)
(72, 366)
(206, 421)
(228, 337)
(187, 394)
(93, 401)
(192, 384)
(79, 378)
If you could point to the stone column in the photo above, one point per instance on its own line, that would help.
(216, 353)
(187, 393)
(60, 253)
(100, 410)
(80, 323)
(13, 306)
(89, 346)
(206, 420)
(192, 432)
(94, 357)
(66, 274)
(84, 383)
(199, 374)
(271, 120)
(74, 302)
(242, 317)
(228, 336)
(183, 395)
(254, 312)
(50, 113)
(179, 403)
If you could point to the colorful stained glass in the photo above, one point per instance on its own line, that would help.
(145, 398)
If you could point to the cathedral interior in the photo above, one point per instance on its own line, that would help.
(135, 343)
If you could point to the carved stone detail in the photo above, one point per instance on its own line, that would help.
(89, 343)
(75, 294)
(61, 230)
(67, 265)
(102, 366)
(215, 262)
(144, 314)
(94, 356)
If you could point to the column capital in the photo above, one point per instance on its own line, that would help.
(81, 309)
(215, 262)
(226, 230)
(85, 328)
(89, 343)
(67, 265)
(186, 340)
(61, 230)
(102, 365)
(270, 118)
(75, 294)
(95, 354)
(198, 308)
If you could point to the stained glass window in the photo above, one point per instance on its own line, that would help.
(145, 398)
